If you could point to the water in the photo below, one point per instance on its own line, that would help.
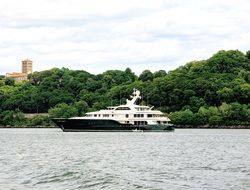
(185, 159)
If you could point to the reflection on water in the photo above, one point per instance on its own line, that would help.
(185, 159)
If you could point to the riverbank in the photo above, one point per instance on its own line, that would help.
(176, 126)
(26, 127)
(212, 127)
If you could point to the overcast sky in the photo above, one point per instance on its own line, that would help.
(100, 35)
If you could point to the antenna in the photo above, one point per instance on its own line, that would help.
(120, 99)
(134, 91)
(147, 98)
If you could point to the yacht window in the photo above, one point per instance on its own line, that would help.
(155, 115)
(140, 123)
(138, 115)
(127, 115)
(105, 115)
(123, 108)
(95, 115)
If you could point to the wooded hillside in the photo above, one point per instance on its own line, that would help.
(215, 91)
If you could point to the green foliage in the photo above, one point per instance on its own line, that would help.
(182, 117)
(225, 114)
(81, 107)
(215, 91)
(248, 54)
(215, 120)
(2, 83)
(39, 121)
(225, 110)
(12, 118)
(63, 110)
(227, 61)
(9, 81)
(195, 103)
(146, 76)
(160, 73)
(226, 94)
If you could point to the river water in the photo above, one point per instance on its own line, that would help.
(185, 159)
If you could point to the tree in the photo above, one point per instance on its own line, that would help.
(9, 81)
(13, 118)
(195, 103)
(63, 110)
(248, 54)
(182, 117)
(2, 83)
(39, 120)
(244, 74)
(227, 61)
(130, 76)
(160, 73)
(146, 75)
(81, 107)
(215, 120)
(201, 92)
(226, 94)
(245, 91)
(199, 119)
(225, 110)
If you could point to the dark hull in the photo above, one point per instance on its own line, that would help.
(90, 125)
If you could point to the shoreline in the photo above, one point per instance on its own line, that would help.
(175, 126)
(27, 127)
(212, 127)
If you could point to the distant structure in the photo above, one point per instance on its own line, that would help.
(19, 77)
(27, 66)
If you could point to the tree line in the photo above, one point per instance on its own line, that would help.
(212, 92)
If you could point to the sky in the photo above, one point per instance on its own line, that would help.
(100, 35)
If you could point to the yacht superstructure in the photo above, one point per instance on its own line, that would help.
(127, 117)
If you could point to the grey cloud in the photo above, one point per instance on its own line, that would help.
(98, 42)
(71, 22)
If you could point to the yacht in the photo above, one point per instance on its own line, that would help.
(128, 117)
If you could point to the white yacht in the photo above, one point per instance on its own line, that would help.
(127, 117)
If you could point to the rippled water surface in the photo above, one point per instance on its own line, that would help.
(185, 159)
